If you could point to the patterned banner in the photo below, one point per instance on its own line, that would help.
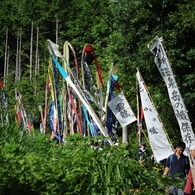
(122, 110)
(20, 112)
(158, 139)
(4, 100)
(165, 70)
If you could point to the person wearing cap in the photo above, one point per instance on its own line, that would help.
(190, 184)
(142, 153)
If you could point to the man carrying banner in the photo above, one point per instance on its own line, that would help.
(177, 163)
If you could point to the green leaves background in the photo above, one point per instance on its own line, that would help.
(32, 164)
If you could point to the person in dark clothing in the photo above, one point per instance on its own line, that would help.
(142, 153)
(177, 163)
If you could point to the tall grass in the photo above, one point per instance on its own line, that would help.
(32, 164)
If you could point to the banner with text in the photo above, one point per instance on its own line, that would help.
(163, 65)
(158, 139)
(122, 110)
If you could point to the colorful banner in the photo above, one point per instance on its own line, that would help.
(177, 102)
(111, 119)
(122, 110)
(54, 51)
(4, 101)
(22, 118)
(158, 139)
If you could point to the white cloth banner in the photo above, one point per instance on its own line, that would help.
(177, 102)
(53, 49)
(122, 110)
(158, 139)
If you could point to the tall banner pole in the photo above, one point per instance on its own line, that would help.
(125, 135)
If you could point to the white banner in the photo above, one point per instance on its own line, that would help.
(177, 102)
(53, 49)
(122, 110)
(158, 139)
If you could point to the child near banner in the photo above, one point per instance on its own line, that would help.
(177, 163)
(142, 153)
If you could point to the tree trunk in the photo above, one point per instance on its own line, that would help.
(6, 54)
(36, 58)
(1, 112)
(17, 51)
(7, 62)
(19, 55)
(31, 50)
(37, 53)
(57, 27)
(38, 65)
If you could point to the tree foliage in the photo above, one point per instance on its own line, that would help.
(118, 30)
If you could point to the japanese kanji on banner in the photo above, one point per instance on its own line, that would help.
(158, 140)
(163, 65)
(122, 110)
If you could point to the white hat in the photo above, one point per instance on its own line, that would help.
(192, 148)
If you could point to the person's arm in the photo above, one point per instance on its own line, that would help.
(166, 171)
(167, 167)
